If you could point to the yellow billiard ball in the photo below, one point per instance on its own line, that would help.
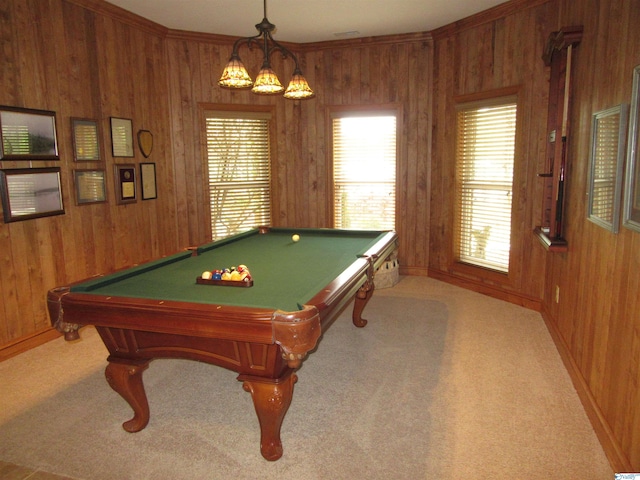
(295, 237)
(206, 275)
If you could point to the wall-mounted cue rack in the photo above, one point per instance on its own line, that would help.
(558, 55)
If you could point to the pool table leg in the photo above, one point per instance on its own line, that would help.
(271, 399)
(125, 377)
(363, 295)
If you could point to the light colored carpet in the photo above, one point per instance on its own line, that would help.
(443, 383)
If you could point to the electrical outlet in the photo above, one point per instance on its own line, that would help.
(557, 294)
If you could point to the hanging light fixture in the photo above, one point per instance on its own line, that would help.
(235, 74)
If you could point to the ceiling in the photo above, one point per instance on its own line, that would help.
(304, 21)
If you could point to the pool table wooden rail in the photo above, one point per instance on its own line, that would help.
(69, 311)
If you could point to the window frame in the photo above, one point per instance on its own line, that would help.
(486, 99)
(342, 111)
(248, 110)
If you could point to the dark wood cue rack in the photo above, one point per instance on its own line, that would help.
(558, 55)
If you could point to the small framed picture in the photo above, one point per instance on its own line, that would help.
(125, 176)
(30, 193)
(86, 140)
(90, 186)
(27, 134)
(121, 137)
(148, 181)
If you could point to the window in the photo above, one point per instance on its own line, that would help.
(484, 174)
(364, 171)
(238, 160)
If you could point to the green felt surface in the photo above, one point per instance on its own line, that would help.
(285, 274)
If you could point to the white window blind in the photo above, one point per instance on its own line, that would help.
(484, 161)
(364, 172)
(238, 159)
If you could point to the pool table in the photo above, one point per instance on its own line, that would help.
(263, 331)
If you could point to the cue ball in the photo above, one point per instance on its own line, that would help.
(295, 237)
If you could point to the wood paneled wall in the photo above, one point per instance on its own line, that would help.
(372, 72)
(598, 316)
(59, 56)
(85, 58)
(596, 323)
(478, 58)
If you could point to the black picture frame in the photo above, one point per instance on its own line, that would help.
(28, 134)
(121, 137)
(148, 181)
(29, 193)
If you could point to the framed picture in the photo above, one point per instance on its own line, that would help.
(90, 186)
(121, 137)
(148, 181)
(125, 176)
(28, 134)
(86, 140)
(608, 138)
(631, 214)
(30, 193)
